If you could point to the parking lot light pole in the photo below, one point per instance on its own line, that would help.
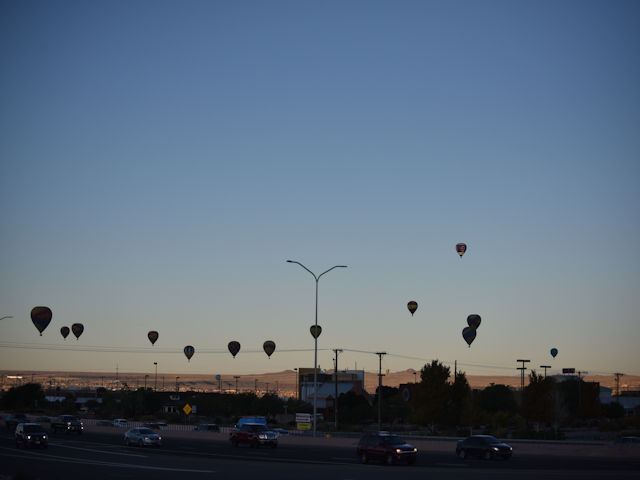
(315, 339)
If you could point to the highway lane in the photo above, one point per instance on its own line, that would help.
(101, 455)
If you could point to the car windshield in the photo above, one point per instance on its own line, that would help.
(68, 418)
(32, 428)
(145, 431)
(258, 428)
(393, 440)
(492, 440)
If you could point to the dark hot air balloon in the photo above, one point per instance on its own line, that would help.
(152, 336)
(469, 335)
(41, 317)
(461, 248)
(234, 348)
(412, 306)
(65, 332)
(77, 329)
(269, 347)
(474, 321)
(315, 330)
(554, 352)
(189, 351)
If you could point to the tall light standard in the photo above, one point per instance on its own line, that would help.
(315, 340)
(155, 382)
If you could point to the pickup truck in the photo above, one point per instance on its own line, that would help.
(67, 423)
(253, 434)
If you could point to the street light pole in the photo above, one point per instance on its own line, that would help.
(315, 340)
(177, 387)
(236, 377)
(155, 383)
(145, 382)
(380, 354)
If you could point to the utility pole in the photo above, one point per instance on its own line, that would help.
(255, 386)
(335, 374)
(580, 373)
(380, 354)
(236, 377)
(545, 369)
(155, 382)
(618, 375)
(522, 369)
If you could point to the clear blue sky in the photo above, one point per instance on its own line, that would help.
(161, 160)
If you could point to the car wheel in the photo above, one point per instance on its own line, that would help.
(255, 444)
(17, 444)
(487, 455)
(462, 454)
(140, 443)
(234, 442)
(389, 459)
(364, 458)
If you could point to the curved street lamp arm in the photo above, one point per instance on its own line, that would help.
(337, 266)
(314, 275)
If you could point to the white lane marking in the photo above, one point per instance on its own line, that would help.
(51, 458)
(100, 451)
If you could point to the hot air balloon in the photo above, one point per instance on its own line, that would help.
(315, 330)
(269, 347)
(469, 335)
(65, 332)
(461, 248)
(41, 317)
(152, 336)
(77, 329)
(474, 321)
(412, 306)
(189, 351)
(554, 352)
(234, 348)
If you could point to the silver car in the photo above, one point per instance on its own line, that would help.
(141, 437)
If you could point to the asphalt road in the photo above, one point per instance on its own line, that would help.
(102, 455)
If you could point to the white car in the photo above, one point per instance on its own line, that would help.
(121, 422)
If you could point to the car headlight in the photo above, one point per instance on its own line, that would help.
(495, 449)
(28, 437)
(398, 450)
(415, 449)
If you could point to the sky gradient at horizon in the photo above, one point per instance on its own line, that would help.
(161, 161)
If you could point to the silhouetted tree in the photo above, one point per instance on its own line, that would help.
(433, 393)
(24, 397)
(497, 398)
(538, 401)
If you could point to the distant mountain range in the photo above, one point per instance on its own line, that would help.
(283, 382)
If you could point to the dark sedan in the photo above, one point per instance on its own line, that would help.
(31, 435)
(483, 446)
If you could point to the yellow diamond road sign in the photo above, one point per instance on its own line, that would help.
(187, 409)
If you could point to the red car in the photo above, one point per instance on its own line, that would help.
(253, 434)
(385, 447)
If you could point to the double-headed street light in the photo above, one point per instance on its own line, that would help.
(315, 339)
